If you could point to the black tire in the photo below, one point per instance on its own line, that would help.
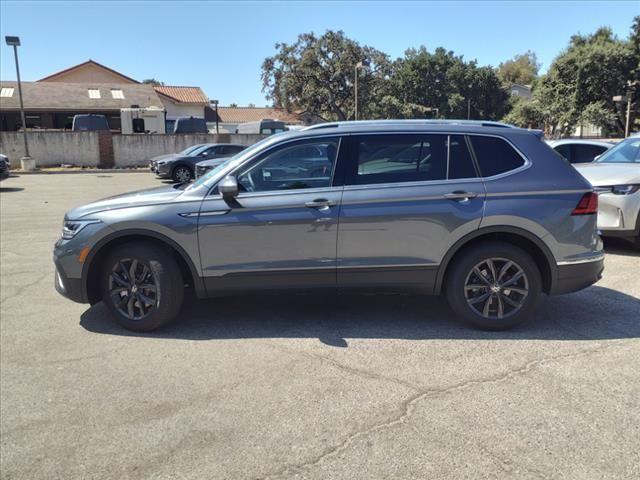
(182, 174)
(461, 274)
(163, 273)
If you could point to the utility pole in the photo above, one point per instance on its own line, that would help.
(26, 162)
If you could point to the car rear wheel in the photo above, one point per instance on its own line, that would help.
(493, 285)
(142, 286)
(182, 174)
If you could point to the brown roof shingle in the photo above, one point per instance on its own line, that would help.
(182, 94)
(75, 96)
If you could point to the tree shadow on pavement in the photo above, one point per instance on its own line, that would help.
(596, 313)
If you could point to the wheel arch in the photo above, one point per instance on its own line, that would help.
(527, 241)
(95, 259)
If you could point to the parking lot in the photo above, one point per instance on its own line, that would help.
(305, 386)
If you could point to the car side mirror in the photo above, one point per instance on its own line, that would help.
(228, 187)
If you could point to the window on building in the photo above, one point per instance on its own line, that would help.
(94, 93)
(6, 92)
(117, 93)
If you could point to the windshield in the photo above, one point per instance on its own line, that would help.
(191, 149)
(627, 151)
(249, 151)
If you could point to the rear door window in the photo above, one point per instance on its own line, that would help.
(585, 153)
(495, 155)
(410, 158)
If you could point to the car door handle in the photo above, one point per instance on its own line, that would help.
(320, 203)
(460, 195)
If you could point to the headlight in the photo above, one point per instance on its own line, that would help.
(70, 228)
(624, 189)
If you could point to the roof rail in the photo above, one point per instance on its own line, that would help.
(475, 123)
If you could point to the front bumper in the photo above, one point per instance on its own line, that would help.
(72, 288)
(619, 215)
(574, 276)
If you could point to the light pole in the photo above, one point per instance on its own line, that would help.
(26, 162)
(359, 65)
(215, 104)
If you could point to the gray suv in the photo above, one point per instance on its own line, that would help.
(484, 213)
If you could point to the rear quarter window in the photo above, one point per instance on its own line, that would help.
(495, 155)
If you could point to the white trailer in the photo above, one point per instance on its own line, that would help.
(142, 120)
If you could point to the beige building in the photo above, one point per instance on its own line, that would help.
(90, 87)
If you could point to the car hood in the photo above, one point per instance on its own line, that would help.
(214, 162)
(140, 198)
(608, 174)
(168, 157)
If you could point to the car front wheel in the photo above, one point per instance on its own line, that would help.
(493, 285)
(142, 286)
(182, 174)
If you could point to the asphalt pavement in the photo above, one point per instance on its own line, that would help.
(304, 386)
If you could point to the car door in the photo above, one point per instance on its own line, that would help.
(407, 199)
(281, 229)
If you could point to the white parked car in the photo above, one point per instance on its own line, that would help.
(580, 151)
(616, 177)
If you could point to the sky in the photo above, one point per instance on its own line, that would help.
(220, 46)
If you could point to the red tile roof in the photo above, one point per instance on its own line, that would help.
(254, 114)
(183, 94)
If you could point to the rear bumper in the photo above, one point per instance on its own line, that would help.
(576, 276)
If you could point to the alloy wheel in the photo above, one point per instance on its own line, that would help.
(496, 288)
(133, 288)
(183, 175)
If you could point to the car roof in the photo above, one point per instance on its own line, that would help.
(581, 141)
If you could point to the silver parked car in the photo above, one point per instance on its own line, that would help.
(578, 150)
(485, 214)
(616, 177)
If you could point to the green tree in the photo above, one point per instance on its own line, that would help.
(152, 81)
(423, 81)
(317, 74)
(582, 81)
(522, 69)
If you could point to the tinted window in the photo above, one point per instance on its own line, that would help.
(460, 162)
(411, 158)
(306, 164)
(233, 149)
(585, 153)
(627, 151)
(495, 155)
(564, 150)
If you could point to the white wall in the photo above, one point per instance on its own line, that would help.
(81, 148)
(52, 148)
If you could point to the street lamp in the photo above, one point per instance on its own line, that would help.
(215, 104)
(26, 162)
(359, 66)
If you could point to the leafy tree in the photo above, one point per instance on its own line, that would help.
(317, 74)
(582, 81)
(424, 81)
(153, 81)
(522, 69)
(233, 105)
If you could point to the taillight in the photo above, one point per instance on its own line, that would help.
(588, 205)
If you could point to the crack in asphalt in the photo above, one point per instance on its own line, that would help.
(407, 406)
(22, 288)
(355, 371)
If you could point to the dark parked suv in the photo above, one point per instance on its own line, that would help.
(484, 213)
